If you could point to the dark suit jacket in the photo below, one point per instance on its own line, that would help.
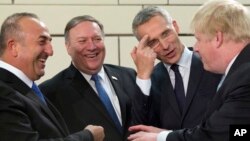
(162, 108)
(231, 105)
(79, 104)
(24, 118)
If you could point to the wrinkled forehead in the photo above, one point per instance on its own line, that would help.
(32, 23)
(154, 27)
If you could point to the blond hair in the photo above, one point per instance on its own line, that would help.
(227, 16)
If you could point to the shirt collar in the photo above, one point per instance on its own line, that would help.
(101, 74)
(17, 72)
(230, 65)
(185, 60)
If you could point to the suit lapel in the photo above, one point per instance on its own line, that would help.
(242, 58)
(196, 72)
(79, 83)
(166, 86)
(58, 117)
(26, 91)
(47, 109)
(116, 83)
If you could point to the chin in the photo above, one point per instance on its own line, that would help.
(40, 74)
(207, 68)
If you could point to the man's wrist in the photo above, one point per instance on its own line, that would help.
(89, 136)
(162, 136)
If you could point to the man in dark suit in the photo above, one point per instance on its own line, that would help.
(158, 38)
(25, 115)
(74, 92)
(223, 42)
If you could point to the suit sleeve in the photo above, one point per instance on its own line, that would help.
(16, 124)
(231, 105)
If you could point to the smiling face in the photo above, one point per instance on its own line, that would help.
(86, 47)
(32, 51)
(163, 38)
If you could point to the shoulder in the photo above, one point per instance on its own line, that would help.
(9, 96)
(241, 74)
(159, 69)
(5, 89)
(116, 68)
(56, 80)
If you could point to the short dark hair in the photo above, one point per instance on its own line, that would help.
(79, 19)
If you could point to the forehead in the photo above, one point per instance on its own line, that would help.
(198, 34)
(34, 27)
(153, 26)
(86, 28)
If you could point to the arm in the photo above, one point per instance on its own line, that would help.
(144, 58)
(230, 106)
(22, 120)
(144, 133)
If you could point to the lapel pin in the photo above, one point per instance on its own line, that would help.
(113, 77)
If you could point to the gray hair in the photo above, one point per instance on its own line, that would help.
(146, 14)
(11, 28)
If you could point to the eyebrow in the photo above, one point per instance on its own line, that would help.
(167, 31)
(45, 37)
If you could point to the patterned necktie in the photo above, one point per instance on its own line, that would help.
(38, 92)
(179, 87)
(106, 101)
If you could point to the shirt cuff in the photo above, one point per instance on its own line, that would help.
(144, 85)
(162, 136)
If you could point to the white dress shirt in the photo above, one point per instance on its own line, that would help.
(162, 136)
(16, 72)
(108, 88)
(226, 72)
(184, 68)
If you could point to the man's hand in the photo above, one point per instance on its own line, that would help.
(97, 132)
(145, 128)
(144, 133)
(143, 136)
(144, 58)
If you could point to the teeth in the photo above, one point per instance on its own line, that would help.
(91, 55)
(42, 60)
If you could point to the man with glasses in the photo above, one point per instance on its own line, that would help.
(176, 90)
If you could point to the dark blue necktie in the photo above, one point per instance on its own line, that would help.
(38, 92)
(106, 101)
(179, 87)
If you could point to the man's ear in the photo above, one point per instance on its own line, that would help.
(67, 46)
(12, 46)
(218, 39)
(176, 27)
